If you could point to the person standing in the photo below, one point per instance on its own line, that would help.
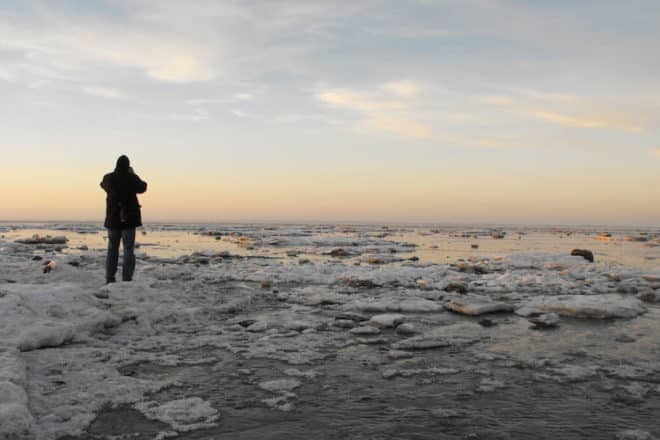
(122, 216)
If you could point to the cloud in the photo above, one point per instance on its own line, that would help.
(403, 88)
(543, 95)
(569, 121)
(60, 42)
(387, 108)
(105, 92)
(159, 56)
(355, 100)
(656, 152)
(398, 125)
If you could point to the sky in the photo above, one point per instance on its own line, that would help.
(432, 111)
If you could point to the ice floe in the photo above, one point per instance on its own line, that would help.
(585, 306)
(386, 320)
(460, 334)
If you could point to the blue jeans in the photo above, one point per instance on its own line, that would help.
(127, 236)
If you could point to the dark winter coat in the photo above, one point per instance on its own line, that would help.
(122, 209)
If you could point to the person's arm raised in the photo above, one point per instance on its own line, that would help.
(105, 183)
(140, 185)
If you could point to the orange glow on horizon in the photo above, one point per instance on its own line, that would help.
(348, 196)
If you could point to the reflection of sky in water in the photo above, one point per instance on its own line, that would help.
(433, 244)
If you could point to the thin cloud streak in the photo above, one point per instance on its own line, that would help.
(569, 121)
(384, 110)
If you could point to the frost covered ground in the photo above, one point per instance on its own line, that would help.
(253, 332)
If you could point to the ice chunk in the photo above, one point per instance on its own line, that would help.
(344, 323)
(294, 372)
(634, 434)
(387, 320)
(279, 385)
(365, 330)
(16, 421)
(399, 354)
(390, 373)
(34, 316)
(446, 413)
(585, 306)
(478, 308)
(183, 415)
(416, 305)
(280, 403)
(544, 320)
(445, 336)
(53, 335)
(406, 329)
(488, 384)
(569, 373)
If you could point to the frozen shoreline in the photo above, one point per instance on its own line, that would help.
(67, 342)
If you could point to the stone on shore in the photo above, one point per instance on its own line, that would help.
(651, 296)
(584, 253)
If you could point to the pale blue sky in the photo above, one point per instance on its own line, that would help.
(429, 110)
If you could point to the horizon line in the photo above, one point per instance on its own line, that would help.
(339, 222)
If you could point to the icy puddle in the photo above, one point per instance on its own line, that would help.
(292, 332)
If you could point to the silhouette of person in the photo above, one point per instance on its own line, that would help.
(122, 216)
